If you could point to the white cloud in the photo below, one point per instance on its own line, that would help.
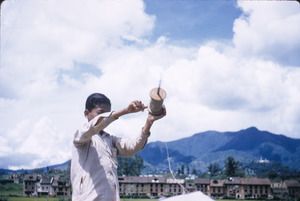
(269, 30)
(52, 60)
(45, 38)
(46, 140)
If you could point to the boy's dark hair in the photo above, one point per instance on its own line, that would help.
(96, 99)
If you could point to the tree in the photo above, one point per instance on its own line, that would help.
(272, 174)
(130, 166)
(194, 171)
(182, 169)
(66, 173)
(214, 168)
(37, 171)
(232, 168)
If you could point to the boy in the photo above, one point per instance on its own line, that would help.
(94, 152)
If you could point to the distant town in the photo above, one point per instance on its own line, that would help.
(156, 186)
(258, 180)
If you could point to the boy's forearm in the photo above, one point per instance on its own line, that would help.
(146, 128)
(133, 107)
(117, 114)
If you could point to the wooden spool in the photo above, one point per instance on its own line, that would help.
(157, 96)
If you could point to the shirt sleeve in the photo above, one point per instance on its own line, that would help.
(85, 133)
(129, 147)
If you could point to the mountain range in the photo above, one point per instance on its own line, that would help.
(62, 166)
(201, 149)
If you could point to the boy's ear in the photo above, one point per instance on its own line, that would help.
(86, 112)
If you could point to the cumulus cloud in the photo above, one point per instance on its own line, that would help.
(269, 30)
(34, 41)
(52, 60)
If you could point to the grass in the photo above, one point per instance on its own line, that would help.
(31, 199)
(128, 199)
(11, 189)
(66, 199)
(57, 199)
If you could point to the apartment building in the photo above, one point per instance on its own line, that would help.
(29, 184)
(293, 187)
(160, 186)
(203, 185)
(217, 188)
(45, 186)
(242, 188)
(239, 188)
(150, 186)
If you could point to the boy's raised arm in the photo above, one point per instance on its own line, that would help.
(134, 106)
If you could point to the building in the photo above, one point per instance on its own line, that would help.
(29, 184)
(15, 178)
(175, 186)
(293, 187)
(278, 190)
(217, 188)
(203, 185)
(263, 160)
(150, 186)
(45, 186)
(240, 188)
(255, 188)
(61, 187)
(233, 187)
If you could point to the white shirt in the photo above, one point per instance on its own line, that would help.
(94, 160)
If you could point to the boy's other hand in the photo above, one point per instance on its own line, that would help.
(135, 106)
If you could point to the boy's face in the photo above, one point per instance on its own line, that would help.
(102, 108)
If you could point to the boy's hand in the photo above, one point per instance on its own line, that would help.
(135, 106)
(151, 118)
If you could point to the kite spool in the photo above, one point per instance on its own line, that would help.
(157, 96)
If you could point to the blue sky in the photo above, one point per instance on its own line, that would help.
(193, 21)
(225, 65)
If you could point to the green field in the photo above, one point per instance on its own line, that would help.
(66, 199)
(31, 199)
(6, 198)
(56, 199)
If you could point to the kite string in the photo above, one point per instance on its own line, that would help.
(170, 169)
(13, 24)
